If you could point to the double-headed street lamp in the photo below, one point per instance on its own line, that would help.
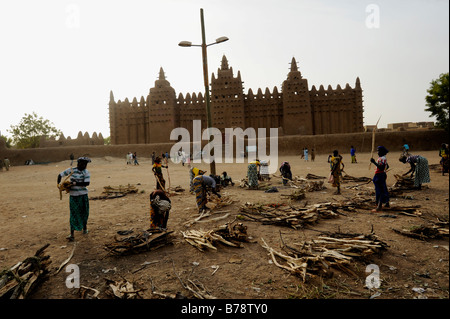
(205, 75)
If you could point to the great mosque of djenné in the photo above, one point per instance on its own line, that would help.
(296, 110)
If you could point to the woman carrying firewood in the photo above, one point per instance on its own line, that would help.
(79, 200)
(160, 206)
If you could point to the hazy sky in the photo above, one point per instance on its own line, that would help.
(61, 58)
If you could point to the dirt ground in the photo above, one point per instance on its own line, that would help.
(32, 215)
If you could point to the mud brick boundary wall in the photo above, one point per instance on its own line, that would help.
(423, 140)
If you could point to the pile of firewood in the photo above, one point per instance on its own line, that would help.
(243, 183)
(147, 240)
(306, 184)
(318, 256)
(312, 176)
(19, 281)
(120, 189)
(403, 182)
(228, 234)
(115, 192)
(297, 194)
(123, 289)
(288, 216)
(221, 202)
(348, 178)
(177, 189)
(367, 203)
(436, 230)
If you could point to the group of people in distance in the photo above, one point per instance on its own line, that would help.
(201, 184)
(132, 158)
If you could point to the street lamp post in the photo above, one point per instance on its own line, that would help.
(205, 76)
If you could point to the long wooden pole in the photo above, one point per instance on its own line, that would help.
(168, 175)
(212, 164)
(373, 140)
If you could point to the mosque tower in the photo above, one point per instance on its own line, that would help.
(297, 117)
(227, 98)
(162, 112)
(112, 118)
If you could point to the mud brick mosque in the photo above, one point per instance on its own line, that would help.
(296, 110)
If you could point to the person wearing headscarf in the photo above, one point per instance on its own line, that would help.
(203, 184)
(286, 173)
(157, 171)
(336, 171)
(226, 180)
(405, 150)
(418, 168)
(160, 206)
(444, 154)
(80, 178)
(379, 179)
(194, 172)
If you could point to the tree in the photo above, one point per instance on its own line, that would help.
(28, 132)
(107, 140)
(6, 140)
(438, 101)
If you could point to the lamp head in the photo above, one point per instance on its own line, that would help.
(185, 44)
(221, 39)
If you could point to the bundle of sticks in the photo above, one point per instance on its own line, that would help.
(146, 240)
(287, 216)
(228, 234)
(318, 256)
(123, 289)
(297, 194)
(115, 192)
(403, 182)
(65, 186)
(312, 176)
(243, 183)
(306, 184)
(19, 281)
(177, 189)
(220, 202)
(348, 178)
(435, 230)
(366, 203)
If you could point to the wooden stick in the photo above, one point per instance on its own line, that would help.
(159, 182)
(373, 140)
(168, 175)
(68, 259)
